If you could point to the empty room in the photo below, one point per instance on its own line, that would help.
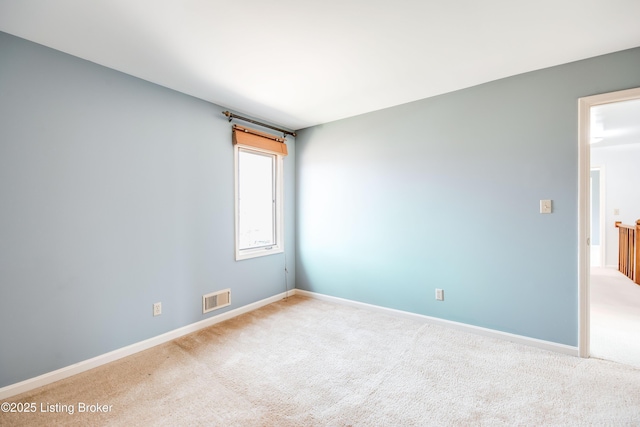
(337, 213)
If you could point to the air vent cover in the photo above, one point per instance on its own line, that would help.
(216, 300)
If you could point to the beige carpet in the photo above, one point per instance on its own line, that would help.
(303, 362)
(615, 317)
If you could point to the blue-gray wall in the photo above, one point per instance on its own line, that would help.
(115, 193)
(444, 193)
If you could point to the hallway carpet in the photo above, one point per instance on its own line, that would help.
(615, 317)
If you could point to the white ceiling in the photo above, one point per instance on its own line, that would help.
(298, 63)
(615, 124)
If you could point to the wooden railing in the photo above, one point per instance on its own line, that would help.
(629, 250)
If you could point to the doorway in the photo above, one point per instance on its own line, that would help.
(608, 300)
(596, 208)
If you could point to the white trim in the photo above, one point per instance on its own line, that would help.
(603, 205)
(77, 368)
(278, 247)
(584, 215)
(601, 210)
(85, 365)
(584, 168)
(546, 345)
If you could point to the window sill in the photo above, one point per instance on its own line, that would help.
(254, 253)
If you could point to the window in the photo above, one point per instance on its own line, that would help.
(258, 201)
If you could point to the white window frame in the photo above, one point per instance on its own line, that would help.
(278, 246)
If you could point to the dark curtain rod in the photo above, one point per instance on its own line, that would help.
(235, 116)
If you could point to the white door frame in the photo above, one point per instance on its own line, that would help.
(601, 208)
(584, 200)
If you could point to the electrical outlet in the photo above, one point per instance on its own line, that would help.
(157, 309)
(439, 294)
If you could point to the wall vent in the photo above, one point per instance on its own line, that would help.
(216, 300)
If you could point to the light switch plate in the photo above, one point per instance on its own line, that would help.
(545, 206)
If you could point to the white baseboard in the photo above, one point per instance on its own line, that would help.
(68, 371)
(546, 345)
(85, 365)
